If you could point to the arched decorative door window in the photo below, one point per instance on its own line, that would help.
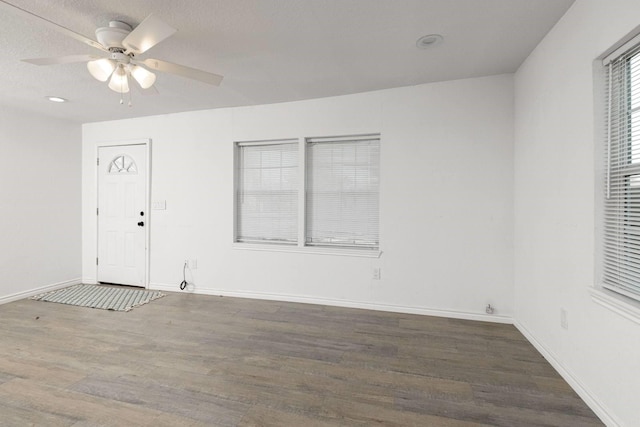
(123, 164)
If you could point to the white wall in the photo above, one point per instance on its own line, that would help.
(554, 212)
(446, 199)
(40, 218)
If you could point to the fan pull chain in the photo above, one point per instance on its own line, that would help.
(122, 85)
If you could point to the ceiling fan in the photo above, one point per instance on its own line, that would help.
(120, 45)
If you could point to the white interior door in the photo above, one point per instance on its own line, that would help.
(122, 216)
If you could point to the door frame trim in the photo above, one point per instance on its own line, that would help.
(147, 202)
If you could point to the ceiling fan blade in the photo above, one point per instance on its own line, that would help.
(182, 71)
(50, 24)
(62, 59)
(149, 33)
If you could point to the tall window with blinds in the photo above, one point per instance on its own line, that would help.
(342, 192)
(267, 192)
(622, 200)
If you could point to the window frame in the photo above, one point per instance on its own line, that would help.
(236, 188)
(622, 167)
(309, 169)
(300, 246)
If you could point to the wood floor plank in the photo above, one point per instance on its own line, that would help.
(41, 371)
(68, 407)
(367, 414)
(567, 404)
(261, 416)
(196, 360)
(156, 395)
(501, 416)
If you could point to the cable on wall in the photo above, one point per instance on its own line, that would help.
(184, 283)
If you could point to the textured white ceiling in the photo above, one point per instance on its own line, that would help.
(268, 50)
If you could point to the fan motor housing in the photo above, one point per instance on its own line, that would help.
(112, 36)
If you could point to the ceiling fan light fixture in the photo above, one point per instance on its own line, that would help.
(101, 69)
(119, 80)
(144, 77)
(120, 44)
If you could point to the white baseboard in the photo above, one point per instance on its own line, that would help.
(565, 373)
(40, 290)
(341, 303)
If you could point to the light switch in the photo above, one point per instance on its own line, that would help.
(159, 205)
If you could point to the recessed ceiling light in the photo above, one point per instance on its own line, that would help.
(428, 41)
(55, 99)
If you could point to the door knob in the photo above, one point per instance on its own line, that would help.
(141, 224)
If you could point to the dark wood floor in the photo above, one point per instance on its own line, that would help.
(191, 360)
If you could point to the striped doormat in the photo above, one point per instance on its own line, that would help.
(98, 296)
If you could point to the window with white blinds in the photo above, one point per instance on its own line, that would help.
(267, 192)
(621, 270)
(342, 192)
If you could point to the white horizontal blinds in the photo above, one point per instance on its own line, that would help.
(267, 192)
(342, 199)
(622, 204)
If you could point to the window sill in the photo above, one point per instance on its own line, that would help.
(619, 304)
(363, 253)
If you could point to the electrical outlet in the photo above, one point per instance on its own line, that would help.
(564, 321)
(193, 264)
(376, 273)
